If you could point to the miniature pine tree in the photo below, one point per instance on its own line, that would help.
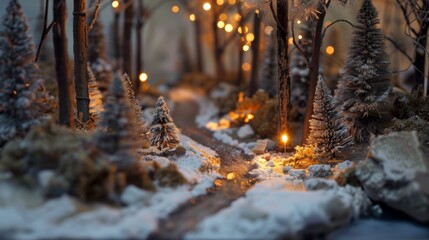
(164, 133)
(95, 97)
(364, 86)
(269, 73)
(327, 130)
(118, 129)
(97, 57)
(23, 99)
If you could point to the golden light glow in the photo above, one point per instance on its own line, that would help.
(115, 4)
(228, 28)
(246, 67)
(220, 24)
(246, 48)
(284, 138)
(299, 21)
(299, 37)
(207, 6)
(330, 50)
(192, 17)
(223, 17)
(220, 2)
(268, 30)
(237, 16)
(250, 37)
(175, 9)
(257, 11)
(240, 97)
(230, 176)
(240, 30)
(249, 117)
(290, 41)
(232, 2)
(143, 77)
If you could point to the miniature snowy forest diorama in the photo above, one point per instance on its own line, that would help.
(214, 119)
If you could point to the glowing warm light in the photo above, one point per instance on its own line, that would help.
(249, 117)
(330, 50)
(115, 4)
(232, 2)
(220, 24)
(268, 30)
(240, 97)
(299, 37)
(246, 67)
(143, 77)
(223, 17)
(250, 37)
(240, 30)
(299, 21)
(257, 11)
(237, 17)
(230, 176)
(284, 138)
(290, 41)
(228, 28)
(207, 6)
(220, 2)
(175, 9)
(192, 17)
(246, 48)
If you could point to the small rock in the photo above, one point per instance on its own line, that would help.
(270, 164)
(344, 165)
(297, 173)
(245, 131)
(319, 170)
(44, 177)
(162, 161)
(287, 168)
(266, 156)
(320, 183)
(133, 194)
(271, 145)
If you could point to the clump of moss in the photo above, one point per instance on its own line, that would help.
(265, 121)
(412, 124)
(228, 103)
(411, 105)
(347, 177)
(304, 157)
(169, 176)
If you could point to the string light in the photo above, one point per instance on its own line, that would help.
(115, 4)
(223, 17)
(246, 48)
(246, 67)
(175, 9)
(299, 21)
(290, 41)
(228, 28)
(232, 2)
(207, 6)
(246, 29)
(143, 77)
(220, 24)
(220, 2)
(299, 37)
(192, 17)
(250, 37)
(268, 30)
(237, 17)
(330, 50)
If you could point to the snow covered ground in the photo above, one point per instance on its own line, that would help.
(29, 217)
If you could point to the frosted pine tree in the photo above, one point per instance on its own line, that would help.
(364, 86)
(97, 57)
(269, 75)
(327, 130)
(164, 133)
(117, 134)
(23, 99)
(95, 97)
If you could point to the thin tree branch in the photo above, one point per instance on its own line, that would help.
(279, 25)
(45, 30)
(307, 61)
(334, 22)
(400, 49)
(95, 15)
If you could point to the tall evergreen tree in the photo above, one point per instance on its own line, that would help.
(95, 97)
(269, 74)
(364, 87)
(97, 57)
(23, 99)
(118, 129)
(164, 133)
(327, 129)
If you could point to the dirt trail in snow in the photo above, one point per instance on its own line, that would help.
(187, 216)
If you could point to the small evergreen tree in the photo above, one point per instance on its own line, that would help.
(118, 129)
(269, 75)
(97, 57)
(164, 133)
(364, 86)
(327, 130)
(23, 99)
(95, 97)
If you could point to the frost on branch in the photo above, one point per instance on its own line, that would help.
(118, 129)
(23, 98)
(364, 87)
(164, 133)
(327, 130)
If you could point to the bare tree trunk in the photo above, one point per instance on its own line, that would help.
(80, 46)
(283, 66)
(117, 41)
(240, 74)
(198, 45)
(139, 46)
(65, 84)
(314, 67)
(253, 84)
(126, 45)
(420, 51)
(217, 47)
